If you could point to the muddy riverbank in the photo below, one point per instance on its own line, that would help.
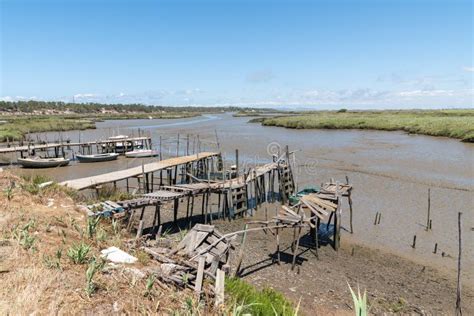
(391, 173)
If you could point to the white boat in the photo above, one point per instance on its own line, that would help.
(37, 162)
(124, 144)
(97, 157)
(142, 153)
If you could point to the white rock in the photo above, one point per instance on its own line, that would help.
(116, 255)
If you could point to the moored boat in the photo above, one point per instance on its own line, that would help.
(121, 144)
(142, 153)
(37, 162)
(97, 157)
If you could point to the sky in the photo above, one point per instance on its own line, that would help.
(355, 54)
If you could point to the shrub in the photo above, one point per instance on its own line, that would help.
(78, 253)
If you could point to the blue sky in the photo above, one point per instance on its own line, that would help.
(312, 54)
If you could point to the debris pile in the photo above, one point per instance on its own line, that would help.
(203, 252)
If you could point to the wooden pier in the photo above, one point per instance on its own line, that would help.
(107, 145)
(137, 172)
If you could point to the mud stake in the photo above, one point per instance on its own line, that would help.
(380, 216)
(414, 242)
(429, 206)
(376, 216)
(458, 291)
(435, 248)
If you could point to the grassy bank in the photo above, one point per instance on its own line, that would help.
(450, 123)
(50, 263)
(16, 127)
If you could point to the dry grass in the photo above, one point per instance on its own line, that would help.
(31, 284)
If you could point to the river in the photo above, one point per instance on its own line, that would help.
(390, 171)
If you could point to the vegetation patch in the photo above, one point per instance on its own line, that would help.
(449, 123)
(248, 300)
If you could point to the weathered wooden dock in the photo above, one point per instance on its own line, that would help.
(107, 145)
(136, 172)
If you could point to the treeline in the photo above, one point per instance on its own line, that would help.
(81, 108)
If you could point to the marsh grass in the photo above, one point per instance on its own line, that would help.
(18, 126)
(449, 123)
(257, 302)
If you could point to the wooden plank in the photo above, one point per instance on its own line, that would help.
(219, 287)
(199, 275)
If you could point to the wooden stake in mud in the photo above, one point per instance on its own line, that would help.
(429, 206)
(177, 147)
(414, 242)
(241, 251)
(349, 199)
(161, 153)
(376, 217)
(277, 240)
(435, 248)
(296, 247)
(458, 291)
(380, 216)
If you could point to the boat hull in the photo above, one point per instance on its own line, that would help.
(43, 163)
(141, 154)
(96, 158)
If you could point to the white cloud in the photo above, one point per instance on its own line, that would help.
(468, 69)
(17, 98)
(85, 95)
(426, 93)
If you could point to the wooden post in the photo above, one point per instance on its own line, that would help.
(241, 251)
(414, 242)
(187, 145)
(296, 247)
(458, 290)
(237, 163)
(175, 209)
(177, 147)
(349, 199)
(203, 206)
(161, 154)
(435, 248)
(376, 217)
(337, 220)
(429, 206)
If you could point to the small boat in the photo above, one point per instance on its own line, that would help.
(123, 144)
(37, 162)
(97, 157)
(142, 153)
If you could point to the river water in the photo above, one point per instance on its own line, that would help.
(390, 171)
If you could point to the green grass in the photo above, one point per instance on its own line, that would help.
(449, 123)
(16, 127)
(256, 302)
